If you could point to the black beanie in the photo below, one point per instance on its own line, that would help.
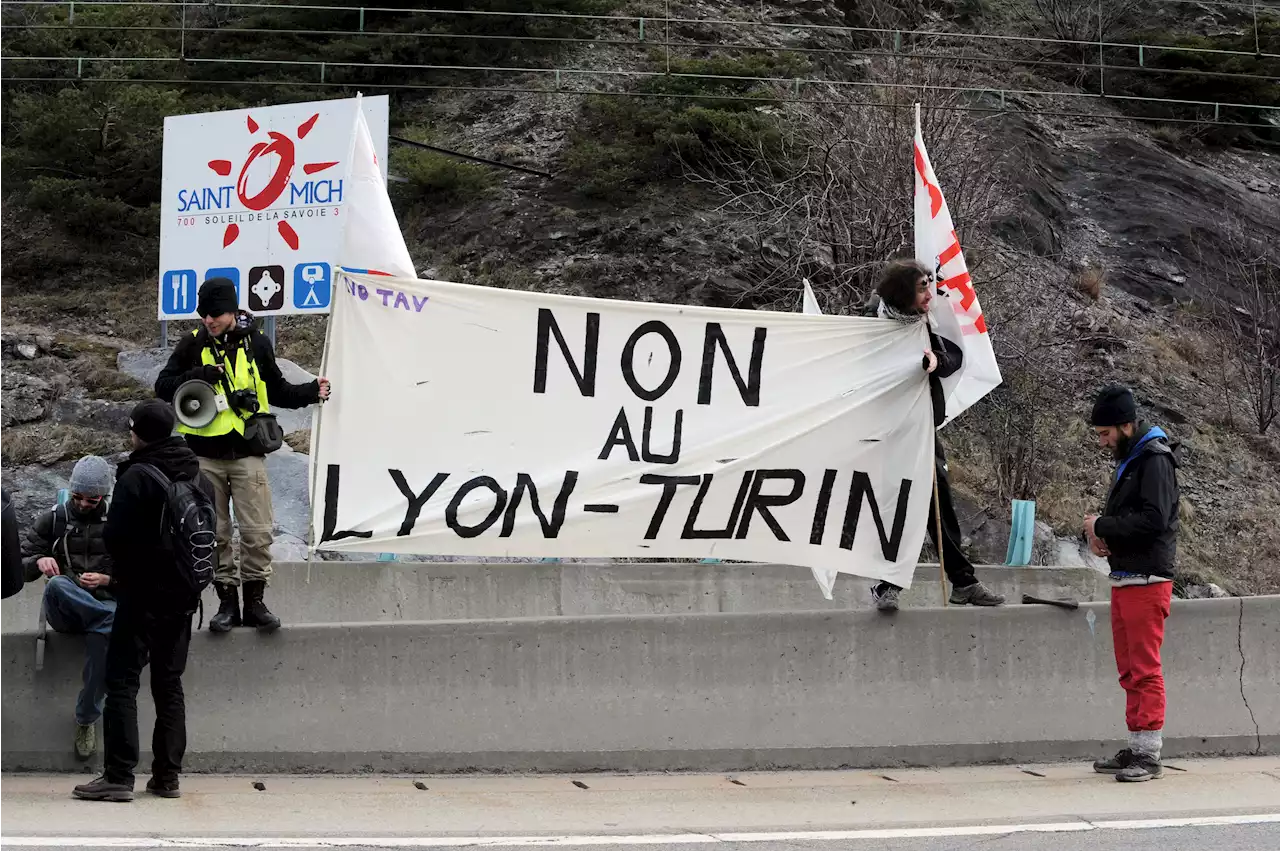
(217, 296)
(1115, 406)
(152, 420)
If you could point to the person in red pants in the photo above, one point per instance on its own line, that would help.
(1137, 533)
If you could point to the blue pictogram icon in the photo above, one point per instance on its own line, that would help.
(178, 289)
(312, 286)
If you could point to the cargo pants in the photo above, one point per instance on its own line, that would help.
(242, 484)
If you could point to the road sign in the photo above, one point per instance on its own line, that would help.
(249, 190)
(178, 290)
(312, 285)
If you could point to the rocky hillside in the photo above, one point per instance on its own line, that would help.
(718, 159)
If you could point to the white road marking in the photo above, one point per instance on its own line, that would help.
(644, 839)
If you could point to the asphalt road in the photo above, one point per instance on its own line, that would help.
(1257, 837)
(1205, 805)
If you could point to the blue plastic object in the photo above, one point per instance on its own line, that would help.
(1022, 532)
(388, 557)
(63, 496)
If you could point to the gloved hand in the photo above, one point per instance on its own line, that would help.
(208, 373)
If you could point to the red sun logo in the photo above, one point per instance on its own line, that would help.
(283, 148)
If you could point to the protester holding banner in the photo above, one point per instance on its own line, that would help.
(904, 294)
(1138, 534)
(232, 354)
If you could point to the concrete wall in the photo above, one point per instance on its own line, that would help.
(708, 692)
(346, 592)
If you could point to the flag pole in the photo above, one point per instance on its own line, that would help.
(937, 518)
(312, 538)
(937, 502)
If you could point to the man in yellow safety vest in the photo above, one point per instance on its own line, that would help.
(232, 354)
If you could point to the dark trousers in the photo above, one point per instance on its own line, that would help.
(957, 565)
(138, 637)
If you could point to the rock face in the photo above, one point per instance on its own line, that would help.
(145, 365)
(26, 398)
(76, 409)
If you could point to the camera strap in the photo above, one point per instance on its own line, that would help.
(221, 358)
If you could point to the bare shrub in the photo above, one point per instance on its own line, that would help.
(832, 201)
(1244, 281)
(1083, 20)
(1091, 280)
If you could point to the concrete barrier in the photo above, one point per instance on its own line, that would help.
(702, 692)
(347, 592)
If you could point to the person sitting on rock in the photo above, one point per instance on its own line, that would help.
(65, 546)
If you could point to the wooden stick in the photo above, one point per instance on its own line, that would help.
(937, 516)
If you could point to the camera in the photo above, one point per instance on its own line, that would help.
(245, 401)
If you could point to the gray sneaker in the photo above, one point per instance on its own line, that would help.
(886, 600)
(976, 594)
(1143, 767)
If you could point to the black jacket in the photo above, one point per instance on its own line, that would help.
(950, 359)
(185, 365)
(1140, 523)
(145, 572)
(73, 539)
(10, 549)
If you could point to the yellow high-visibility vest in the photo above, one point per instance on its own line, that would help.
(243, 376)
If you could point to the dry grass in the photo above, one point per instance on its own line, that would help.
(299, 441)
(1091, 280)
(126, 311)
(46, 444)
(94, 366)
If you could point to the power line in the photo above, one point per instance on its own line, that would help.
(668, 20)
(1001, 110)
(424, 146)
(794, 82)
(835, 51)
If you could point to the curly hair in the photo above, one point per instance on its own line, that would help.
(898, 282)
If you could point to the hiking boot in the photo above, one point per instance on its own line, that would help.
(103, 790)
(164, 788)
(86, 740)
(1116, 764)
(1143, 767)
(228, 615)
(256, 613)
(976, 594)
(885, 597)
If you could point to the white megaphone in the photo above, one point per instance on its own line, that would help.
(197, 404)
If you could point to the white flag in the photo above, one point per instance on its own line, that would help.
(957, 317)
(371, 239)
(810, 302)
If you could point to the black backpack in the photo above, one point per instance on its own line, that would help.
(188, 528)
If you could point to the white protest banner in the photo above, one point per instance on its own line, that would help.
(256, 195)
(475, 421)
(958, 315)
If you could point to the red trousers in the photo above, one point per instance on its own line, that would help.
(1137, 628)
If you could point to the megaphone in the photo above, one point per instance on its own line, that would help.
(197, 404)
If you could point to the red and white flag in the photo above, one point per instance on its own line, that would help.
(957, 316)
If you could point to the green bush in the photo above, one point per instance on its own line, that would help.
(1198, 81)
(672, 121)
(440, 178)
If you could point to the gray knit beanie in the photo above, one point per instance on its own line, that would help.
(92, 476)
